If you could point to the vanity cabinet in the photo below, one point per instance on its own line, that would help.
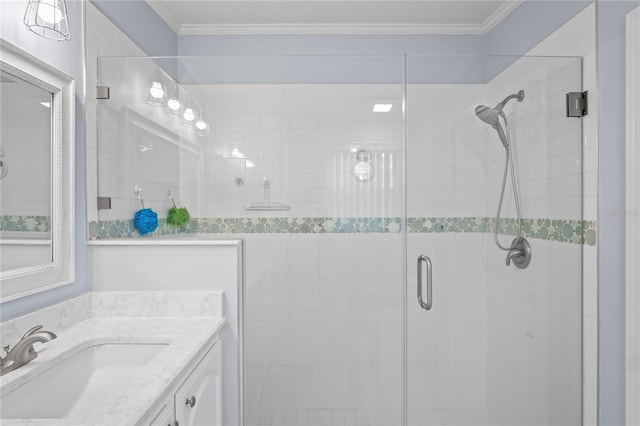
(165, 417)
(198, 398)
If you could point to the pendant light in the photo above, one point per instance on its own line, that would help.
(48, 19)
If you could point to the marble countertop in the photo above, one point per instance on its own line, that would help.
(186, 338)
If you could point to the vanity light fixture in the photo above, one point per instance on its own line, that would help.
(382, 107)
(202, 128)
(161, 91)
(191, 113)
(48, 19)
(155, 93)
(174, 106)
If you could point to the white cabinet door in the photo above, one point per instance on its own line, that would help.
(198, 401)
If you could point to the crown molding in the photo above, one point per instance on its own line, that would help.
(501, 13)
(290, 29)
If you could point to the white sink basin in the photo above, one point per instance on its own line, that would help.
(80, 384)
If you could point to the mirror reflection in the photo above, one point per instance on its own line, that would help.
(25, 174)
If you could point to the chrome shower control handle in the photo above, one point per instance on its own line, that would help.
(520, 253)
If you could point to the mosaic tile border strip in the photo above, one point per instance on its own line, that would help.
(22, 223)
(567, 231)
(561, 230)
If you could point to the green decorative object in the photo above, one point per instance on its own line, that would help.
(177, 216)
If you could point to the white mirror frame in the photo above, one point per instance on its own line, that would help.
(32, 279)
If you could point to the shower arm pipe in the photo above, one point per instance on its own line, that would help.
(519, 96)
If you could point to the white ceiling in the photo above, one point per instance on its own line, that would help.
(332, 17)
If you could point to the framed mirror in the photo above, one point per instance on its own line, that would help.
(36, 175)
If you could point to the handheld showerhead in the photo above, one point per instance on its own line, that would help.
(488, 115)
(492, 116)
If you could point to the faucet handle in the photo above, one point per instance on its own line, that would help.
(6, 348)
(33, 330)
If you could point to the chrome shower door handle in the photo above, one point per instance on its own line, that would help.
(427, 306)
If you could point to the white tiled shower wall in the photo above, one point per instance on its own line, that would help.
(303, 138)
(323, 326)
(26, 149)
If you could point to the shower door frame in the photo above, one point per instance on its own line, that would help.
(632, 208)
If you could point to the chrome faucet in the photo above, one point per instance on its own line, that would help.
(23, 351)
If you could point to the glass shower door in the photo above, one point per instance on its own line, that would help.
(499, 345)
(321, 308)
(322, 316)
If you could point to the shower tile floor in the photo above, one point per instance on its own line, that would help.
(368, 418)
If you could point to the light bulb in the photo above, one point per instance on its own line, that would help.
(189, 115)
(202, 128)
(156, 90)
(173, 104)
(47, 12)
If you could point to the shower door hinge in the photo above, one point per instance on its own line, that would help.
(104, 203)
(577, 104)
(102, 92)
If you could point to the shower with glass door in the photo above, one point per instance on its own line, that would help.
(367, 194)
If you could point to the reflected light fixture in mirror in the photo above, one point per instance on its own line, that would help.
(174, 106)
(202, 128)
(363, 169)
(48, 19)
(382, 107)
(191, 113)
(155, 93)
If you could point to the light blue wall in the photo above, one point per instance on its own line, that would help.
(67, 56)
(437, 58)
(529, 24)
(361, 45)
(611, 198)
(141, 24)
(525, 27)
